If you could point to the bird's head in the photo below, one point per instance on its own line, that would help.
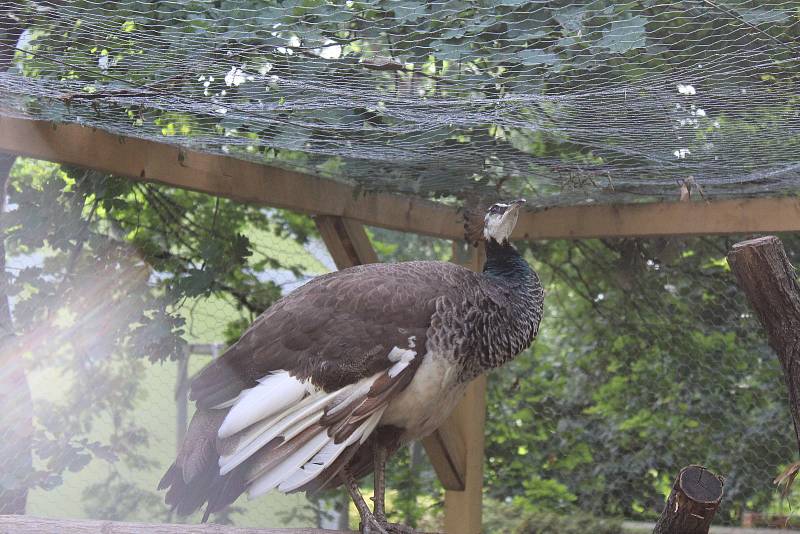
(500, 220)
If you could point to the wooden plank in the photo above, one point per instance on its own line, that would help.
(463, 509)
(260, 184)
(737, 216)
(21, 524)
(223, 176)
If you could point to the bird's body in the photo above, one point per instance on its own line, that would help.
(372, 356)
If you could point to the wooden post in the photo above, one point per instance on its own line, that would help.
(463, 509)
(769, 281)
(692, 503)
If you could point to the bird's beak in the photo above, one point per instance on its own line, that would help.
(517, 204)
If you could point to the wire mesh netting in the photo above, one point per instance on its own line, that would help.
(648, 360)
(560, 102)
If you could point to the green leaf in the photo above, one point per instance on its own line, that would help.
(625, 35)
(535, 56)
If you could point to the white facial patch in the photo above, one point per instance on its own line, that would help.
(498, 226)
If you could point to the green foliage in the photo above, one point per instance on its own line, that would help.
(107, 265)
(516, 519)
(167, 70)
(572, 523)
(649, 360)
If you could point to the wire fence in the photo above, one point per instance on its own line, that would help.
(560, 102)
(648, 360)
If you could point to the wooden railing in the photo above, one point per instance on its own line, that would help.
(23, 524)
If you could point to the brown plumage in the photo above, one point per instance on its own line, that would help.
(375, 355)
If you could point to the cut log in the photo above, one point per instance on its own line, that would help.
(692, 503)
(769, 282)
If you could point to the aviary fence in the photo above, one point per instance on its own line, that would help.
(650, 359)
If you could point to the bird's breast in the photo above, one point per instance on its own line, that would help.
(428, 400)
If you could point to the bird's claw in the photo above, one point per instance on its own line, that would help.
(395, 528)
(370, 525)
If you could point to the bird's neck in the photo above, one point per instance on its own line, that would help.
(503, 261)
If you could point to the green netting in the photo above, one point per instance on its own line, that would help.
(560, 102)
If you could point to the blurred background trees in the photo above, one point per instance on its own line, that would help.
(649, 358)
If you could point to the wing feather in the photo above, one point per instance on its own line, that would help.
(336, 329)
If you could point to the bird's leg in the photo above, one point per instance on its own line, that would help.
(379, 455)
(379, 497)
(369, 525)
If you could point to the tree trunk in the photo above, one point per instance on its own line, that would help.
(692, 503)
(769, 281)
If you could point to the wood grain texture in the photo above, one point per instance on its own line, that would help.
(769, 282)
(254, 183)
(10, 524)
(223, 176)
(655, 219)
(463, 510)
(692, 503)
(346, 241)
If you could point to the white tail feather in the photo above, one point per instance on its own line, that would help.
(287, 467)
(282, 406)
(328, 454)
(292, 423)
(358, 390)
(274, 394)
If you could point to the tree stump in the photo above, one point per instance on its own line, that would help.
(769, 282)
(692, 503)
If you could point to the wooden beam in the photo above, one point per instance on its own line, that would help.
(223, 176)
(346, 240)
(653, 219)
(271, 186)
(448, 455)
(21, 524)
(449, 448)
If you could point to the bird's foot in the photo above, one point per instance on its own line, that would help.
(393, 528)
(371, 525)
(396, 528)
